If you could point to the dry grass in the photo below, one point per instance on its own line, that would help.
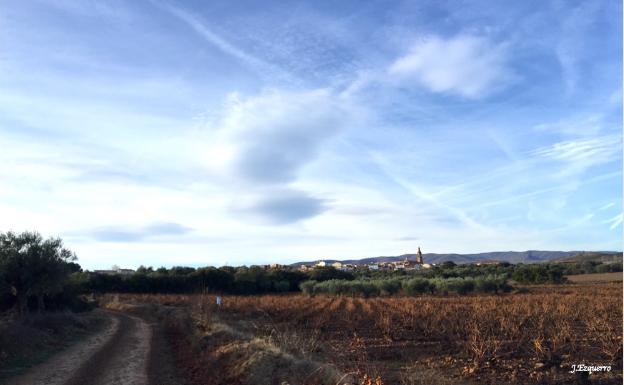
(210, 351)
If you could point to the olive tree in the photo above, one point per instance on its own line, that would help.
(33, 267)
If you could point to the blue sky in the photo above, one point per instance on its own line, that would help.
(195, 133)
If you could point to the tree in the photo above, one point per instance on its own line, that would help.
(53, 269)
(31, 266)
(328, 273)
(538, 273)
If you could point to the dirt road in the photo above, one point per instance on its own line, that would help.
(120, 355)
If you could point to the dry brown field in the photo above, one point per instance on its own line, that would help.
(532, 336)
(597, 277)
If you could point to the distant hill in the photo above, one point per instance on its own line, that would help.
(529, 256)
(593, 256)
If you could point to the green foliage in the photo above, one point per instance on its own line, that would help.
(177, 280)
(328, 273)
(418, 286)
(31, 267)
(609, 267)
(389, 286)
(363, 288)
(281, 286)
(461, 285)
(539, 273)
(307, 287)
(409, 286)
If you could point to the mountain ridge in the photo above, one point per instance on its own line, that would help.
(528, 256)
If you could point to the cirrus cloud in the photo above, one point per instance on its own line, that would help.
(581, 154)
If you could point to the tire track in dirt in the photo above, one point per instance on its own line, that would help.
(122, 360)
(117, 355)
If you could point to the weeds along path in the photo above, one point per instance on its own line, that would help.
(117, 355)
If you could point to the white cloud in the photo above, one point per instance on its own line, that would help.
(267, 139)
(616, 221)
(582, 125)
(581, 154)
(572, 46)
(607, 206)
(283, 206)
(466, 65)
(263, 142)
(99, 145)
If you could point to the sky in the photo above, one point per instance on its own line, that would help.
(197, 133)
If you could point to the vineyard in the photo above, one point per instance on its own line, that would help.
(534, 336)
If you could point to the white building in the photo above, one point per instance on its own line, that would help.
(373, 266)
(115, 271)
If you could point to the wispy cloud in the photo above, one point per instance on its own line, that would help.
(570, 48)
(558, 187)
(429, 199)
(579, 126)
(581, 154)
(616, 221)
(202, 29)
(466, 65)
(607, 206)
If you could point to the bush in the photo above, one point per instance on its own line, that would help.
(363, 288)
(281, 286)
(534, 274)
(328, 273)
(307, 287)
(609, 267)
(485, 285)
(388, 286)
(463, 285)
(417, 286)
(367, 288)
(492, 284)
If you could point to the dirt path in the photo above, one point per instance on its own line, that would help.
(118, 355)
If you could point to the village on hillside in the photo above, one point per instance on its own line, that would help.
(406, 265)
